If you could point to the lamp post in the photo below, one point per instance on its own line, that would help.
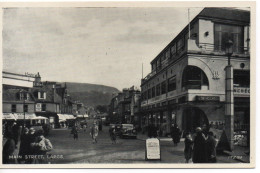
(229, 98)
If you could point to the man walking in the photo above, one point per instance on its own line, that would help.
(94, 132)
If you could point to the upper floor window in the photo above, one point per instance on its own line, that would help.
(180, 44)
(163, 87)
(158, 90)
(172, 83)
(43, 107)
(149, 93)
(168, 54)
(153, 92)
(193, 78)
(25, 108)
(241, 78)
(41, 95)
(224, 33)
(13, 109)
(173, 50)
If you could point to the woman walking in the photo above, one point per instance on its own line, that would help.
(94, 133)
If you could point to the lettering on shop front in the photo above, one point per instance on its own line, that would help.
(238, 90)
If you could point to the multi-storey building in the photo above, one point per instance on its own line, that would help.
(187, 81)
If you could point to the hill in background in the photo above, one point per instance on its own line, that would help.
(91, 94)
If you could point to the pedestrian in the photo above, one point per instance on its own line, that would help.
(199, 148)
(175, 134)
(188, 147)
(8, 150)
(31, 139)
(112, 133)
(41, 147)
(24, 145)
(211, 148)
(84, 127)
(94, 133)
(15, 130)
(75, 133)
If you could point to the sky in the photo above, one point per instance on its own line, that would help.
(89, 45)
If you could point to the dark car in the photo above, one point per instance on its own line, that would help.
(128, 131)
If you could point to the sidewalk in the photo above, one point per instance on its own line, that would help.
(239, 153)
(143, 137)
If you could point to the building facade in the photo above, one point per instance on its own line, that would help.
(186, 85)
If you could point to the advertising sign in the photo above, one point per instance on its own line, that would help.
(153, 151)
(38, 107)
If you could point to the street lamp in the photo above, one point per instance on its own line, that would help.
(229, 98)
(229, 50)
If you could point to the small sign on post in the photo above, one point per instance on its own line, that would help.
(152, 149)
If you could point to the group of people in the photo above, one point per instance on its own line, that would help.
(33, 147)
(93, 132)
(201, 148)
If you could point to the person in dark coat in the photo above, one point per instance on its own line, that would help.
(8, 150)
(31, 139)
(175, 134)
(188, 147)
(199, 148)
(24, 145)
(211, 148)
(15, 130)
(152, 131)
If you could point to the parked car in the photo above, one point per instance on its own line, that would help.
(128, 131)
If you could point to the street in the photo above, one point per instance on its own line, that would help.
(68, 150)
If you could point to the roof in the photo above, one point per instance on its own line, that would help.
(13, 95)
(226, 14)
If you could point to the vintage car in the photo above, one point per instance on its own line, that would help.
(128, 131)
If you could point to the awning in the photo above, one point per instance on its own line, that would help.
(40, 118)
(18, 116)
(82, 116)
(61, 117)
(64, 117)
(8, 116)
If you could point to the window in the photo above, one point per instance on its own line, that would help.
(21, 96)
(158, 90)
(173, 49)
(25, 108)
(241, 78)
(149, 93)
(153, 92)
(180, 44)
(224, 33)
(154, 66)
(172, 83)
(41, 95)
(193, 78)
(168, 54)
(163, 87)
(43, 107)
(13, 108)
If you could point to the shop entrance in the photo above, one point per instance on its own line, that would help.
(192, 118)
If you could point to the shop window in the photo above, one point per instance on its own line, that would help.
(13, 108)
(43, 107)
(153, 92)
(193, 78)
(224, 33)
(158, 90)
(241, 78)
(172, 83)
(25, 108)
(163, 87)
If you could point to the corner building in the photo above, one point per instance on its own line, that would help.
(187, 80)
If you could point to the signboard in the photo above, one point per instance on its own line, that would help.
(153, 151)
(242, 90)
(38, 107)
(207, 98)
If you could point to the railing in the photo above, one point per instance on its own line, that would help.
(222, 48)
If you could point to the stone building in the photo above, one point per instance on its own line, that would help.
(187, 80)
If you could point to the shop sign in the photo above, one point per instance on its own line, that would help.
(207, 98)
(241, 90)
(153, 151)
(38, 107)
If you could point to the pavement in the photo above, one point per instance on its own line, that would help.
(66, 150)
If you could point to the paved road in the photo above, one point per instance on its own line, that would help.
(125, 151)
